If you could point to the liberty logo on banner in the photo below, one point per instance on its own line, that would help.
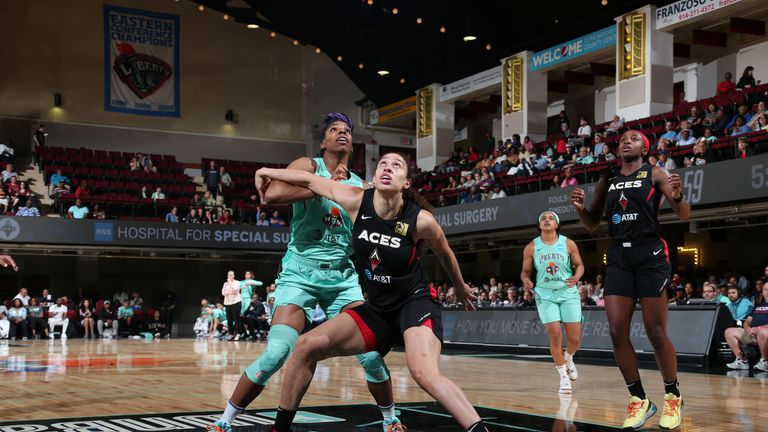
(141, 61)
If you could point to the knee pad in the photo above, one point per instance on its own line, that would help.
(373, 364)
(280, 343)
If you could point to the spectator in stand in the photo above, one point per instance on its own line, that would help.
(727, 86)
(739, 127)
(12, 188)
(497, 193)
(107, 319)
(512, 299)
(614, 126)
(158, 194)
(41, 136)
(17, 316)
(473, 157)
(191, 217)
(759, 111)
(86, 319)
(83, 190)
(690, 291)
(528, 144)
(36, 318)
(762, 122)
(9, 172)
(57, 316)
(136, 301)
(133, 165)
(28, 210)
(171, 216)
(208, 218)
(586, 300)
(212, 178)
(701, 153)
(120, 296)
(585, 157)
(493, 300)
(226, 218)
(5, 325)
(665, 161)
(46, 300)
(474, 195)
(452, 184)
(747, 80)
(743, 149)
(712, 116)
(482, 299)
(77, 211)
(755, 331)
(57, 178)
(585, 130)
(709, 292)
(261, 218)
(489, 143)
(744, 113)
(201, 215)
(196, 201)
(569, 179)
(669, 137)
(739, 306)
(686, 138)
(125, 317)
(563, 120)
(709, 135)
(225, 182)
(156, 325)
(23, 296)
(557, 182)
(653, 160)
(695, 120)
(598, 143)
(98, 212)
(209, 199)
(528, 299)
(276, 220)
(484, 181)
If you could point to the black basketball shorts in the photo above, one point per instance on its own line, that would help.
(638, 269)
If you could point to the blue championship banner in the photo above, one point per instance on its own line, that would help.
(141, 62)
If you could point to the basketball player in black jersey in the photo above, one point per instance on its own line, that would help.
(390, 222)
(638, 268)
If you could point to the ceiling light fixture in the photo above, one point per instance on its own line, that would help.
(360, 66)
(604, 2)
(339, 58)
(402, 80)
(395, 11)
(252, 26)
(226, 17)
(488, 47)
(442, 29)
(295, 42)
(370, 2)
(273, 34)
(419, 20)
(201, 8)
(470, 38)
(317, 51)
(383, 72)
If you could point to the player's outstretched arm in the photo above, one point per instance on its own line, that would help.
(283, 193)
(347, 196)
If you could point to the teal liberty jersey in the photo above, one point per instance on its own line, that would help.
(552, 262)
(320, 228)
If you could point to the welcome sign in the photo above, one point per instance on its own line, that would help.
(141, 62)
(598, 40)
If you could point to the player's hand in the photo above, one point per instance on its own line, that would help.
(577, 198)
(262, 184)
(676, 184)
(340, 173)
(753, 331)
(528, 284)
(464, 296)
(7, 260)
(571, 281)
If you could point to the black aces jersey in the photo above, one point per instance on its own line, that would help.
(386, 256)
(632, 205)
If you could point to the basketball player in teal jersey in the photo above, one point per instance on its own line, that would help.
(316, 269)
(557, 298)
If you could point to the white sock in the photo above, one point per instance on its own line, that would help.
(231, 412)
(568, 356)
(562, 370)
(387, 412)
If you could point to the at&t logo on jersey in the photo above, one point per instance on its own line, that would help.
(552, 268)
(635, 184)
(619, 218)
(333, 219)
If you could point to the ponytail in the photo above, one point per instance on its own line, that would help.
(410, 194)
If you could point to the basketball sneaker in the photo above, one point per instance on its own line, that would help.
(220, 426)
(393, 424)
(638, 412)
(573, 374)
(762, 365)
(738, 364)
(565, 385)
(670, 415)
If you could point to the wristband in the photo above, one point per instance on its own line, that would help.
(677, 200)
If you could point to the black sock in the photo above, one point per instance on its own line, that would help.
(478, 427)
(636, 389)
(283, 420)
(673, 388)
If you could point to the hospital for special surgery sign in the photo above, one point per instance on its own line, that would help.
(141, 62)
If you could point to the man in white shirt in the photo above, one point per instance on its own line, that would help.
(498, 192)
(23, 295)
(5, 325)
(57, 316)
(585, 130)
(666, 162)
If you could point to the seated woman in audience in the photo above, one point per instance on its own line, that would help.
(762, 123)
(743, 149)
(21, 196)
(557, 182)
(36, 318)
(451, 184)
(712, 116)
(12, 188)
(747, 80)
(134, 165)
(569, 179)
(98, 212)
(144, 193)
(701, 153)
(17, 316)
(208, 217)
(709, 135)
(86, 318)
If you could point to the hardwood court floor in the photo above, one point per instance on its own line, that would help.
(43, 379)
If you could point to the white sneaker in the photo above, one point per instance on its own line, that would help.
(762, 365)
(738, 364)
(573, 374)
(24, 338)
(63, 337)
(50, 336)
(565, 385)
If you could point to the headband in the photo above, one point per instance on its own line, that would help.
(557, 218)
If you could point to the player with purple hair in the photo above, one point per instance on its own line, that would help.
(316, 270)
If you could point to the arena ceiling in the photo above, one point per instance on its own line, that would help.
(369, 32)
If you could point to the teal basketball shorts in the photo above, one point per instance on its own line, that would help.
(562, 304)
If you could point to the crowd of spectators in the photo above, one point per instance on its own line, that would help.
(256, 318)
(86, 314)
